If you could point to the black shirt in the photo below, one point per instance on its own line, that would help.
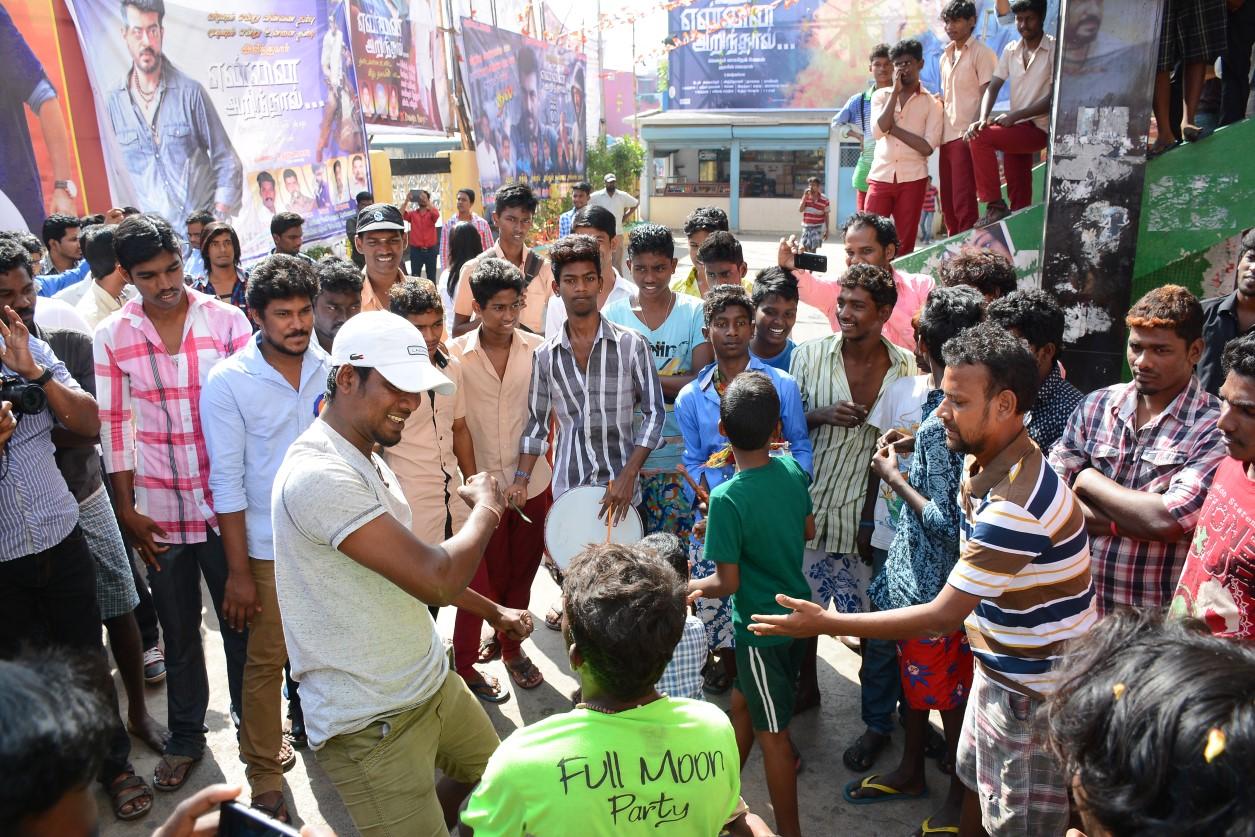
(79, 464)
(1220, 325)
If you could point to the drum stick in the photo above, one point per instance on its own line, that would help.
(702, 495)
(609, 513)
(516, 508)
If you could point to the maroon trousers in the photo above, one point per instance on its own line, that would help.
(1019, 145)
(903, 201)
(958, 187)
(504, 576)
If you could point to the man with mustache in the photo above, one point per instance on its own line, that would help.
(1227, 317)
(252, 408)
(175, 151)
(1140, 456)
(152, 359)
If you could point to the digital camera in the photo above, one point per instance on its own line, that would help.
(27, 399)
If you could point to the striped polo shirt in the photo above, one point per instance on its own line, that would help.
(1024, 550)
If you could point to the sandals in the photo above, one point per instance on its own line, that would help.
(490, 649)
(926, 828)
(287, 755)
(276, 811)
(884, 793)
(127, 789)
(861, 755)
(173, 763)
(524, 672)
(553, 619)
(488, 689)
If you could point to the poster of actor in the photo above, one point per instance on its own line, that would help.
(40, 167)
(170, 152)
(235, 120)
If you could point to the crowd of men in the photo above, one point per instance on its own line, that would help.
(336, 457)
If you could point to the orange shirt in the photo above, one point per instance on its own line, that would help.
(424, 456)
(536, 295)
(370, 302)
(895, 161)
(496, 407)
(964, 73)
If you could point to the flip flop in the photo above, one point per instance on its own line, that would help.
(488, 689)
(489, 650)
(553, 619)
(524, 672)
(173, 763)
(887, 794)
(926, 828)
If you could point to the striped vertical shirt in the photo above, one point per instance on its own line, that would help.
(1173, 455)
(1023, 549)
(594, 406)
(37, 510)
(841, 454)
(150, 408)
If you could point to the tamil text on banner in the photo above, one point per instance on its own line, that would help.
(731, 54)
(528, 105)
(49, 147)
(246, 111)
(400, 63)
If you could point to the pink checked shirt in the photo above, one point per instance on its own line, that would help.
(913, 289)
(150, 408)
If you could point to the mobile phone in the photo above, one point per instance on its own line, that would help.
(412, 197)
(238, 820)
(813, 262)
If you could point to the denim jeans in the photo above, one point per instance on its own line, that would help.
(176, 594)
(49, 598)
(878, 673)
(420, 256)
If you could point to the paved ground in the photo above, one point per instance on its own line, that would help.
(820, 735)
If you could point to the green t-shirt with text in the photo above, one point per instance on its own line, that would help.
(669, 767)
(757, 519)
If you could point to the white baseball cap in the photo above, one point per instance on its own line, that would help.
(391, 344)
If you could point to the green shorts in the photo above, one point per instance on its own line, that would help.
(767, 677)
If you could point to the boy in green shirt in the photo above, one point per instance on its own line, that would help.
(626, 761)
(756, 529)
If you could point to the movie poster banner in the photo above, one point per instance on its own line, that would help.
(49, 151)
(246, 111)
(527, 100)
(733, 54)
(397, 50)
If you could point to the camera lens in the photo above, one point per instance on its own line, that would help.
(31, 400)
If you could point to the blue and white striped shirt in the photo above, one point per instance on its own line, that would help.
(37, 510)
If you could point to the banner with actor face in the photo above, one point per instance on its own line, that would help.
(528, 104)
(400, 63)
(247, 110)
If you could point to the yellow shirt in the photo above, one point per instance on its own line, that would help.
(688, 284)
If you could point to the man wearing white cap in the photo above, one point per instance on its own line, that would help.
(381, 716)
(622, 206)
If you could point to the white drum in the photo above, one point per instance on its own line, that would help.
(572, 524)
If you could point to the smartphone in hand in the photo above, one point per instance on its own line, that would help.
(813, 262)
(238, 820)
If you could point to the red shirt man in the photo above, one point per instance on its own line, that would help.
(423, 219)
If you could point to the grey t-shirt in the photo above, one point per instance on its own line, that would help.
(361, 647)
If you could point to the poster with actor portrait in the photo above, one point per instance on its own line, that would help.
(237, 110)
